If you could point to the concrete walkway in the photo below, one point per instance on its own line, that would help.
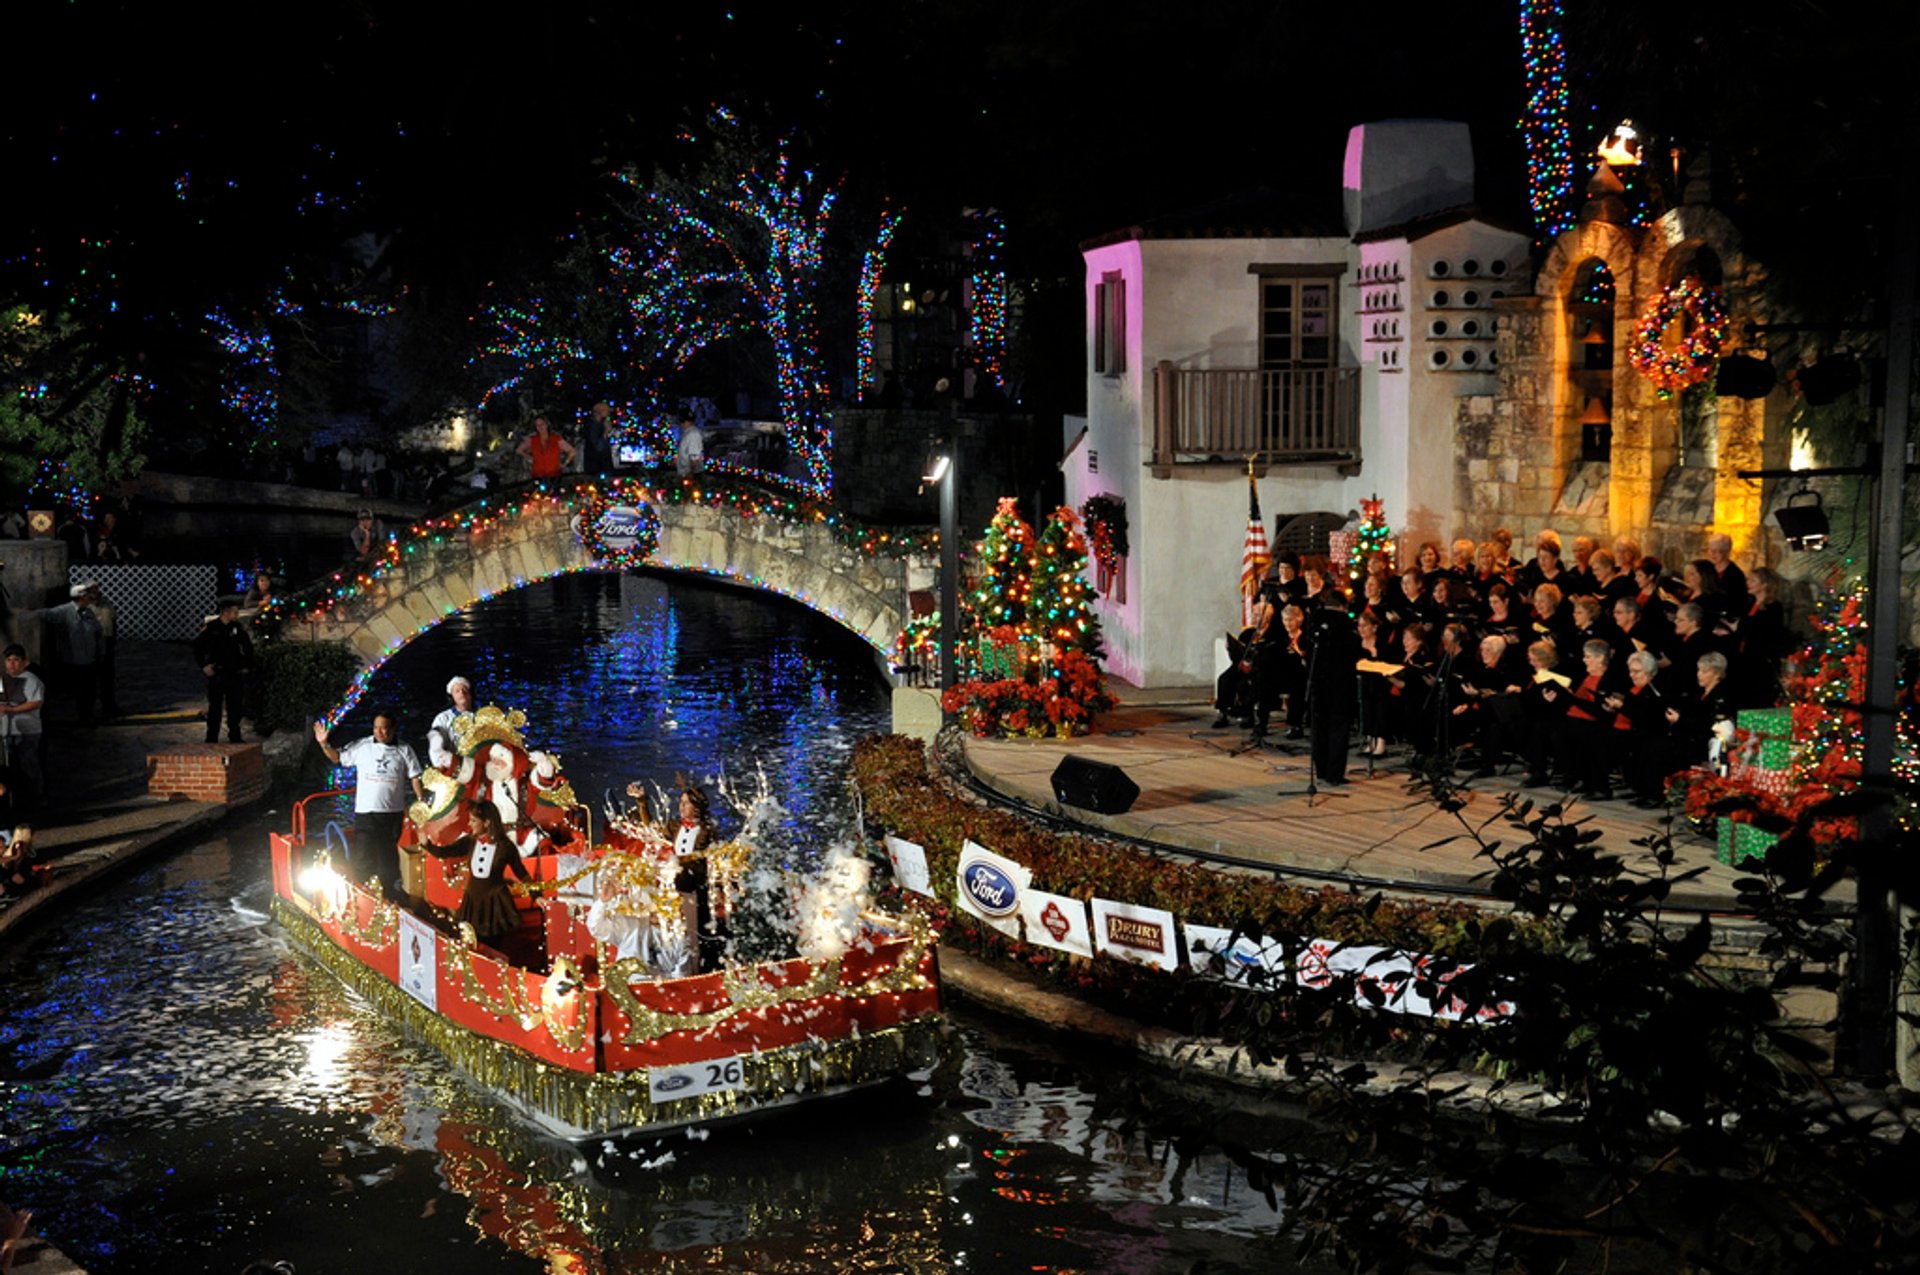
(97, 816)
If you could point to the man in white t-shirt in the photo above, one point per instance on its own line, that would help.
(387, 776)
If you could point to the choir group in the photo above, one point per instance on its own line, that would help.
(1604, 670)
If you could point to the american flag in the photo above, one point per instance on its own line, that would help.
(1254, 558)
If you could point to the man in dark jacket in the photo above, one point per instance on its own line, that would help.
(225, 654)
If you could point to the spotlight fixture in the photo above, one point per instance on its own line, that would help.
(1803, 524)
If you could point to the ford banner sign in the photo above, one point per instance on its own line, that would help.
(990, 886)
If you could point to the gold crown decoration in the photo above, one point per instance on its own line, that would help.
(489, 725)
(443, 792)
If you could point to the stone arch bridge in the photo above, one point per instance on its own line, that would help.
(445, 564)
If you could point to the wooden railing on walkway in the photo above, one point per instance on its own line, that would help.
(1277, 416)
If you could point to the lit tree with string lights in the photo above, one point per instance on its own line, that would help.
(1548, 134)
(872, 265)
(523, 348)
(69, 419)
(1061, 601)
(756, 228)
(1372, 536)
(988, 296)
(249, 383)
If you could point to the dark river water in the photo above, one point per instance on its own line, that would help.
(180, 1091)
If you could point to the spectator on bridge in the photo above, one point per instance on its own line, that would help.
(362, 540)
(690, 459)
(596, 438)
(259, 593)
(545, 450)
(21, 696)
(111, 542)
(385, 771)
(225, 655)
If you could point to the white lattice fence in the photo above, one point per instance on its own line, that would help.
(163, 603)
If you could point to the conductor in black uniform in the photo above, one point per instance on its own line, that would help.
(1332, 686)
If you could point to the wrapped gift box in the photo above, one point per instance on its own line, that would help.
(1774, 723)
(1741, 843)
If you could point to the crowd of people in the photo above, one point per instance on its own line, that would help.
(1601, 669)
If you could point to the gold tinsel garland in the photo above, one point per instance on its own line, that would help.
(747, 991)
(507, 1007)
(601, 1103)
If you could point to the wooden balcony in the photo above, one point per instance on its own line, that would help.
(1289, 416)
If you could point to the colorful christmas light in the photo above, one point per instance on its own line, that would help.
(987, 313)
(250, 382)
(1371, 537)
(1544, 125)
(519, 341)
(866, 294)
(1678, 339)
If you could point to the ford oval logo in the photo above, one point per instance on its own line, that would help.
(991, 890)
(621, 523)
(669, 1083)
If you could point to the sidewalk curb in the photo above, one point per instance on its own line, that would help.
(195, 817)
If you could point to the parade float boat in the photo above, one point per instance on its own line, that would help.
(588, 1042)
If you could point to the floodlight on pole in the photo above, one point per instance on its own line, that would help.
(1804, 525)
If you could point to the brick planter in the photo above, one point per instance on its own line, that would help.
(224, 774)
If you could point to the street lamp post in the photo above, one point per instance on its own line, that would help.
(947, 474)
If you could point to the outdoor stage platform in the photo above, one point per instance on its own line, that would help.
(1204, 791)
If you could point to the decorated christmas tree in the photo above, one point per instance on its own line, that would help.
(1061, 606)
(1372, 536)
(1032, 640)
(1005, 578)
(1827, 686)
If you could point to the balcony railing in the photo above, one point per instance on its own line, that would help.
(1285, 416)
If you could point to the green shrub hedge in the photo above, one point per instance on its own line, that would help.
(902, 795)
(298, 682)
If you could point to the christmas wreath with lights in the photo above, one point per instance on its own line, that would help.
(1700, 316)
(1106, 518)
(645, 530)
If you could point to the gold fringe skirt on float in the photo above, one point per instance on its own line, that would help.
(599, 1104)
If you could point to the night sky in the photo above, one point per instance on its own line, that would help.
(163, 158)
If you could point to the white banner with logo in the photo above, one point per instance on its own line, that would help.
(989, 887)
(1144, 935)
(418, 968)
(1056, 921)
(1394, 974)
(909, 866)
(1244, 954)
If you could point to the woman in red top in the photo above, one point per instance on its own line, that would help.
(545, 449)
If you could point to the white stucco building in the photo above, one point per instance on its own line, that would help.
(1331, 350)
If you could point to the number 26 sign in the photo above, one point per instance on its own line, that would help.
(690, 1080)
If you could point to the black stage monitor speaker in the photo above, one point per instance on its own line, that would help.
(1093, 785)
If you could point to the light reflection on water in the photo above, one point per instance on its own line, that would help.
(179, 1091)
